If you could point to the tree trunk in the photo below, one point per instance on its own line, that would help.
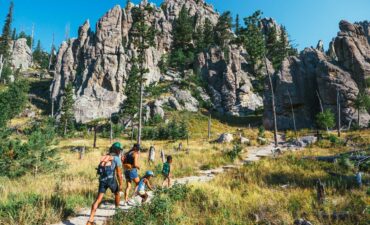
(321, 106)
(273, 104)
(65, 128)
(95, 135)
(358, 117)
(293, 115)
(209, 126)
(111, 130)
(140, 107)
(1, 65)
(339, 114)
(52, 107)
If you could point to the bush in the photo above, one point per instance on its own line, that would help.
(171, 131)
(325, 119)
(234, 153)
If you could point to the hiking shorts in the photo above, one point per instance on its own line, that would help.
(132, 174)
(165, 176)
(111, 184)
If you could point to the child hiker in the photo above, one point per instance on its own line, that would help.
(166, 172)
(145, 182)
(109, 171)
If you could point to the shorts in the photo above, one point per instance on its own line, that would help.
(166, 176)
(111, 184)
(130, 175)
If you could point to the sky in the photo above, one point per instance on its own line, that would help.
(307, 21)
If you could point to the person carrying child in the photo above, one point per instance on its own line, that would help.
(166, 172)
(109, 171)
(143, 184)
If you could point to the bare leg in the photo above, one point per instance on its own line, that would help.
(95, 206)
(169, 182)
(136, 180)
(117, 198)
(128, 187)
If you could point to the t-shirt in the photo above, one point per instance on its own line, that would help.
(166, 168)
(117, 161)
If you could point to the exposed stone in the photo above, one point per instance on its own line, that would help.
(320, 46)
(225, 138)
(21, 55)
(186, 100)
(229, 83)
(244, 141)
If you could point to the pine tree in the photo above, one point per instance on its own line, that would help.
(222, 30)
(362, 102)
(40, 57)
(143, 37)
(14, 34)
(131, 105)
(6, 36)
(67, 109)
(237, 25)
(199, 39)
(274, 48)
(182, 48)
(208, 33)
(253, 38)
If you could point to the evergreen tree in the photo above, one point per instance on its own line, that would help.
(13, 101)
(199, 39)
(143, 34)
(325, 119)
(253, 38)
(222, 30)
(6, 36)
(14, 34)
(208, 33)
(22, 34)
(131, 105)
(40, 57)
(182, 48)
(274, 48)
(237, 25)
(362, 102)
(67, 109)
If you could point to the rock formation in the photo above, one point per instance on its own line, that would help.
(21, 57)
(98, 63)
(228, 81)
(314, 74)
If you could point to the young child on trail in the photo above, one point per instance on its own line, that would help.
(131, 166)
(166, 172)
(109, 171)
(145, 182)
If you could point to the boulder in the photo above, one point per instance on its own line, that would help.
(186, 100)
(225, 138)
(244, 141)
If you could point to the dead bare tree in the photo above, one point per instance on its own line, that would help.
(293, 115)
(2, 61)
(209, 126)
(338, 113)
(273, 104)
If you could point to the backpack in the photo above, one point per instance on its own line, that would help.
(106, 172)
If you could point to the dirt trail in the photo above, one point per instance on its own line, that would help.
(107, 210)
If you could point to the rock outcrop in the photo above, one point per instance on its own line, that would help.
(302, 80)
(21, 57)
(229, 83)
(98, 63)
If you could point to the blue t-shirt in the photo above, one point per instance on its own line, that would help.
(117, 161)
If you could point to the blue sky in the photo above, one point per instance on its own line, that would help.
(307, 21)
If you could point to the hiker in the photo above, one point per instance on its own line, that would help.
(109, 168)
(166, 172)
(131, 165)
(145, 182)
(151, 155)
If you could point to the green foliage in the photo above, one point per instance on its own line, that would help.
(67, 115)
(155, 120)
(156, 91)
(132, 91)
(6, 73)
(367, 82)
(253, 39)
(13, 101)
(345, 164)
(158, 211)
(163, 64)
(237, 25)
(172, 131)
(6, 35)
(222, 30)
(34, 156)
(40, 56)
(22, 34)
(325, 119)
(261, 132)
(362, 102)
(234, 153)
(182, 55)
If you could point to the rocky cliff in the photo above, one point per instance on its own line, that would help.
(21, 57)
(98, 63)
(315, 75)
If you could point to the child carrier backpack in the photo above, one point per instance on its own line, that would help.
(104, 171)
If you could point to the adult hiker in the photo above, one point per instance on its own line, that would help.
(131, 165)
(151, 156)
(108, 170)
(143, 184)
(166, 172)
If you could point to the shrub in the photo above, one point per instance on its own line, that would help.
(234, 153)
(325, 119)
(172, 131)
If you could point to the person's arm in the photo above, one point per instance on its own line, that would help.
(119, 177)
(136, 161)
(148, 184)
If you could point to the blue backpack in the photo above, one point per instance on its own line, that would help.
(106, 172)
